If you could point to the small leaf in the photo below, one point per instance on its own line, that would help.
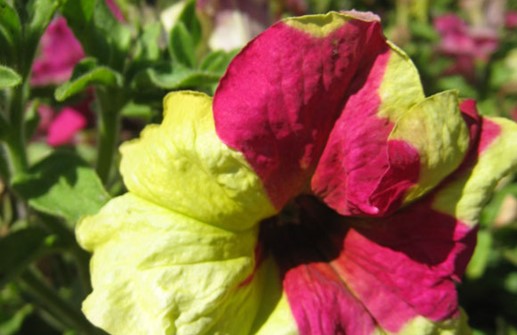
(14, 324)
(139, 111)
(181, 45)
(181, 77)
(63, 185)
(40, 14)
(9, 77)
(191, 22)
(19, 249)
(100, 34)
(10, 27)
(217, 61)
(87, 73)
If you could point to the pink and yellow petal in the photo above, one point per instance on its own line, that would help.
(182, 165)
(466, 191)
(320, 109)
(435, 128)
(281, 95)
(159, 272)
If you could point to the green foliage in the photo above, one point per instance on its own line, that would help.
(62, 185)
(24, 246)
(88, 73)
(8, 77)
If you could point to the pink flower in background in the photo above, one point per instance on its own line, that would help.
(465, 43)
(65, 125)
(60, 128)
(60, 51)
(511, 20)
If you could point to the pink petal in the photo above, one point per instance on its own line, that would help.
(64, 127)
(60, 51)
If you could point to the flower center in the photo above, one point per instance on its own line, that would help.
(305, 231)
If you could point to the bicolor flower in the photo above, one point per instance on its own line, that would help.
(318, 192)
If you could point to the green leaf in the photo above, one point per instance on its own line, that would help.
(185, 36)
(10, 31)
(63, 185)
(14, 324)
(87, 73)
(189, 19)
(100, 34)
(147, 48)
(40, 14)
(164, 77)
(19, 249)
(217, 61)
(139, 111)
(181, 45)
(8, 77)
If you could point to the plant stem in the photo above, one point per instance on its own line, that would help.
(108, 128)
(55, 305)
(81, 257)
(15, 139)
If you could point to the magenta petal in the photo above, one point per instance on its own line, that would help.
(64, 127)
(281, 95)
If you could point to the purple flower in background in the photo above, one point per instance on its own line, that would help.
(60, 51)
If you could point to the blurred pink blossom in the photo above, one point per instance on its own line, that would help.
(65, 125)
(60, 127)
(511, 20)
(60, 51)
(466, 44)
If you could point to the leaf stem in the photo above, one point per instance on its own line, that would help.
(108, 128)
(15, 139)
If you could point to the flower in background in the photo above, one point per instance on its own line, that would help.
(318, 192)
(511, 20)
(60, 52)
(467, 45)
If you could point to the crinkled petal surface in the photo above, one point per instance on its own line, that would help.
(316, 99)
(183, 166)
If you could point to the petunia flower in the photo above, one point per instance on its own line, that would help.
(318, 192)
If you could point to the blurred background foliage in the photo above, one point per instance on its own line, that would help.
(77, 77)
